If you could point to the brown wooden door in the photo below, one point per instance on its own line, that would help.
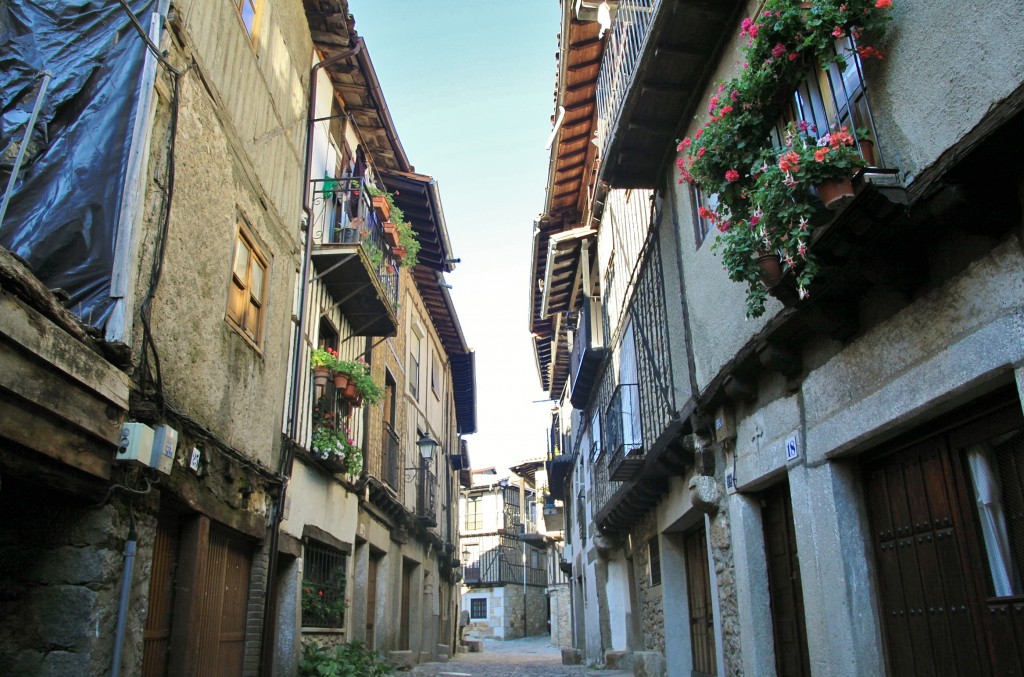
(403, 626)
(788, 626)
(938, 607)
(698, 590)
(221, 628)
(371, 599)
(157, 632)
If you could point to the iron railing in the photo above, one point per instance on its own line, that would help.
(502, 564)
(625, 44)
(426, 498)
(391, 472)
(622, 432)
(345, 215)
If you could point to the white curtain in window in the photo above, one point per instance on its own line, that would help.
(984, 476)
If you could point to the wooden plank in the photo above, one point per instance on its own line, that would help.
(32, 428)
(37, 335)
(195, 543)
(51, 392)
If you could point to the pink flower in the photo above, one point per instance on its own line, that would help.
(820, 154)
(701, 151)
(698, 133)
(778, 50)
(754, 220)
(683, 145)
(802, 125)
(724, 225)
(732, 175)
(793, 56)
(706, 213)
(883, 4)
(837, 32)
(726, 109)
(789, 162)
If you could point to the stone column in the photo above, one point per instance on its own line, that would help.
(833, 542)
(757, 643)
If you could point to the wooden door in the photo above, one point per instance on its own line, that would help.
(939, 609)
(156, 634)
(225, 591)
(371, 599)
(698, 590)
(786, 593)
(403, 627)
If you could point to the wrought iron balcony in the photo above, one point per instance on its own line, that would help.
(502, 564)
(390, 472)
(588, 351)
(622, 431)
(353, 258)
(426, 498)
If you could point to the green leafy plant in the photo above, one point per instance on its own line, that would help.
(406, 235)
(323, 357)
(324, 605)
(327, 443)
(758, 208)
(359, 372)
(345, 660)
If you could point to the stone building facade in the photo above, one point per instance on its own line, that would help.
(811, 477)
(168, 289)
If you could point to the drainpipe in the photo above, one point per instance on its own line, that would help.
(25, 141)
(126, 586)
(288, 451)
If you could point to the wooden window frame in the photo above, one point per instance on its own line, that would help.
(435, 375)
(244, 236)
(654, 561)
(415, 340)
(251, 29)
(474, 517)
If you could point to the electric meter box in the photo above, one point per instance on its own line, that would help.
(136, 443)
(165, 445)
(725, 424)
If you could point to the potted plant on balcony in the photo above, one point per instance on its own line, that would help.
(322, 361)
(780, 43)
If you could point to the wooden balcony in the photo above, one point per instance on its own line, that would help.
(352, 258)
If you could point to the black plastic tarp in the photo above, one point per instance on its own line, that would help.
(63, 214)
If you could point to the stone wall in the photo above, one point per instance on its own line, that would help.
(649, 597)
(560, 597)
(61, 565)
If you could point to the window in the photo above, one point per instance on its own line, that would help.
(248, 287)
(323, 586)
(435, 375)
(248, 11)
(478, 608)
(700, 201)
(654, 560)
(474, 518)
(414, 365)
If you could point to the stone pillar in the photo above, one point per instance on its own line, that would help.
(757, 643)
(833, 543)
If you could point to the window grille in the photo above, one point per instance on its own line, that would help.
(323, 586)
(478, 608)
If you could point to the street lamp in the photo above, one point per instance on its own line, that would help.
(427, 446)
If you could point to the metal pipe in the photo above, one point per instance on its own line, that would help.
(29, 128)
(288, 451)
(122, 609)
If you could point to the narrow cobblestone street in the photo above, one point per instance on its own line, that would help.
(529, 657)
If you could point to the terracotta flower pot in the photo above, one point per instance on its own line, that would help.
(771, 269)
(391, 233)
(381, 207)
(835, 193)
(320, 375)
(399, 252)
(340, 380)
(350, 392)
(867, 151)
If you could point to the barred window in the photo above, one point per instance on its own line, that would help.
(323, 587)
(478, 608)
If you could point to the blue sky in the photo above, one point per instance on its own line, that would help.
(469, 85)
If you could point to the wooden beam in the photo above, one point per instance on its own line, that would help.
(34, 428)
(583, 65)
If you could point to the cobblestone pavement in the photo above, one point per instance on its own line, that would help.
(529, 657)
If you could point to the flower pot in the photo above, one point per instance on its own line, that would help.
(399, 252)
(381, 207)
(335, 464)
(391, 234)
(357, 401)
(835, 193)
(320, 375)
(771, 269)
(350, 391)
(867, 151)
(340, 380)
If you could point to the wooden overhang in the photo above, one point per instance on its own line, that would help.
(683, 48)
(347, 272)
(355, 82)
(570, 173)
(562, 270)
(418, 197)
(465, 470)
